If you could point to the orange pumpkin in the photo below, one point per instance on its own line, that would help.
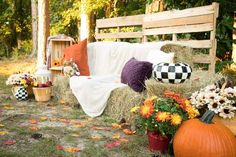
(203, 138)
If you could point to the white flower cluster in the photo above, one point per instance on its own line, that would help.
(70, 69)
(23, 79)
(221, 101)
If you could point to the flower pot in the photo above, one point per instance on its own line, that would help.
(229, 123)
(42, 94)
(20, 93)
(157, 142)
(30, 90)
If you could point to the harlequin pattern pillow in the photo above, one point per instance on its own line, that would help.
(171, 72)
(21, 94)
(135, 72)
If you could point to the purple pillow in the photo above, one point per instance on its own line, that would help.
(135, 73)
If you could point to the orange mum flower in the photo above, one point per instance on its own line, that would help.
(162, 116)
(192, 112)
(180, 100)
(147, 110)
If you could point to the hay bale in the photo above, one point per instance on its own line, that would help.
(199, 79)
(121, 101)
(62, 91)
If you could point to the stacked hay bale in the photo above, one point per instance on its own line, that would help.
(62, 91)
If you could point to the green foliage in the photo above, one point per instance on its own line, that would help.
(25, 49)
(220, 65)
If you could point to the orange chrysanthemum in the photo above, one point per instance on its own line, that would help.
(176, 119)
(147, 110)
(192, 112)
(180, 100)
(162, 116)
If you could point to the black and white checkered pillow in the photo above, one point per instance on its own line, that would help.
(171, 72)
(21, 94)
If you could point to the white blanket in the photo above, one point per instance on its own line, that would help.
(93, 92)
(106, 61)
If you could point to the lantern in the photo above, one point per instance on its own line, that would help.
(43, 75)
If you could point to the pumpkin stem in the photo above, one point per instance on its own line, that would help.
(207, 117)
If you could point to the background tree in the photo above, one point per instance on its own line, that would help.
(34, 15)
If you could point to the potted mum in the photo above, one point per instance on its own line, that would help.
(161, 117)
(21, 84)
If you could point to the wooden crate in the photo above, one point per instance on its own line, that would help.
(58, 45)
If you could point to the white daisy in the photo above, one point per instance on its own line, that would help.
(229, 92)
(226, 112)
(214, 106)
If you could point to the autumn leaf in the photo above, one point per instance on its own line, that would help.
(78, 125)
(59, 147)
(129, 132)
(116, 136)
(8, 107)
(62, 102)
(72, 150)
(33, 128)
(43, 118)
(2, 126)
(75, 135)
(3, 133)
(33, 121)
(64, 120)
(9, 142)
(124, 140)
(112, 144)
(116, 126)
(101, 128)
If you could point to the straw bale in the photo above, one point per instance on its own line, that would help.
(62, 91)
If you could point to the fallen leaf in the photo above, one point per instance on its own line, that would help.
(2, 126)
(124, 140)
(77, 125)
(53, 119)
(75, 135)
(72, 150)
(3, 133)
(64, 120)
(34, 128)
(116, 126)
(101, 128)
(8, 108)
(129, 132)
(96, 137)
(9, 142)
(62, 102)
(59, 147)
(116, 136)
(112, 144)
(43, 118)
(33, 121)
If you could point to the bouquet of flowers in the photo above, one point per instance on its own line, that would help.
(21, 79)
(70, 68)
(221, 101)
(164, 115)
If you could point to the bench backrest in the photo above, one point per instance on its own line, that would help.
(192, 20)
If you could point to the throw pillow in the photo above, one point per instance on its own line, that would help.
(135, 72)
(78, 53)
(158, 56)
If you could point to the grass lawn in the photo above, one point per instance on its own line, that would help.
(52, 129)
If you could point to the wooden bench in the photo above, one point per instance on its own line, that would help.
(175, 22)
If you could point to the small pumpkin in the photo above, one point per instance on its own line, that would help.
(203, 138)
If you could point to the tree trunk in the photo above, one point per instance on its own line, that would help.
(34, 14)
(234, 38)
(43, 32)
(84, 27)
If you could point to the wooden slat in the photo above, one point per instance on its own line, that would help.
(119, 35)
(202, 59)
(180, 21)
(204, 10)
(120, 21)
(194, 43)
(179, 29)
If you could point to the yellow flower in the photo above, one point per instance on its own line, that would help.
(23, 82)
(147, 110)
(192, 112)
(35, 84)
(135, 109)
(162, 116)
(176, 119)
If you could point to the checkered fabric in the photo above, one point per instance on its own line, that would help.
(171, 72)
(21, 94)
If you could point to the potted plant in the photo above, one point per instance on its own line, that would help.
(220, 100)
(21, 84)
(161, 117)
(42, 91)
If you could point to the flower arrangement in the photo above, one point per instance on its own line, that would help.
(70, 68)
(221, 101)
(164, 115)
(21, 79)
